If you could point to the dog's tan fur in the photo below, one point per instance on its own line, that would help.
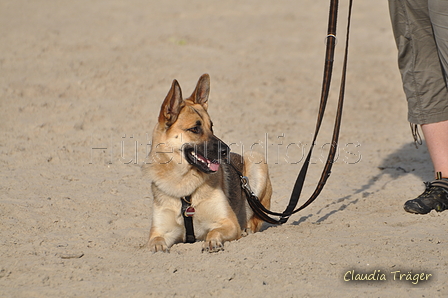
(184, 122)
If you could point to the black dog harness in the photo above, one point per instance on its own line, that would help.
(187, 213)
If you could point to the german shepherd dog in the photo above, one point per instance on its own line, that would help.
(187, 159)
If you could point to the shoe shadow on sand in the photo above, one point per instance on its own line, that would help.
(407, 160)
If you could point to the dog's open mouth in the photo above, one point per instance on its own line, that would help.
(202, 163)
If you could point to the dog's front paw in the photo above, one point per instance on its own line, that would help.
(157, 244)
(212, 245)
(247, 232)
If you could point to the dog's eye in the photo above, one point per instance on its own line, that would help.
(195, 130)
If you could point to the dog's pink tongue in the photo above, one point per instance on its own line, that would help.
(214, 166)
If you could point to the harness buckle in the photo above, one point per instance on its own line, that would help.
(245, 185)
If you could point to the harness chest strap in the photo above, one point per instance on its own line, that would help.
(187, 213)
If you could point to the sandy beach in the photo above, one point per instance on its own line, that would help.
(81, 84)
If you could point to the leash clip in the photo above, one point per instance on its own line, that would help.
(245, 185)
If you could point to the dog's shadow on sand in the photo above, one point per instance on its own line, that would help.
(407, 160)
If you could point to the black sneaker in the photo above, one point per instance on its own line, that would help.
(435, 197)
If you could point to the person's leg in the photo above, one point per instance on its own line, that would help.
(436, 136)
(425, 87)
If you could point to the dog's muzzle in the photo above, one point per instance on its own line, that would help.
(207, 156)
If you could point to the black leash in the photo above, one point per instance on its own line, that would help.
(187, 213)
(253, 200)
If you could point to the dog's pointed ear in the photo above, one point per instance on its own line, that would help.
(200, 94)
(172, 105)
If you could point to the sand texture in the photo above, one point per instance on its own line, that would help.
(81, 84)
